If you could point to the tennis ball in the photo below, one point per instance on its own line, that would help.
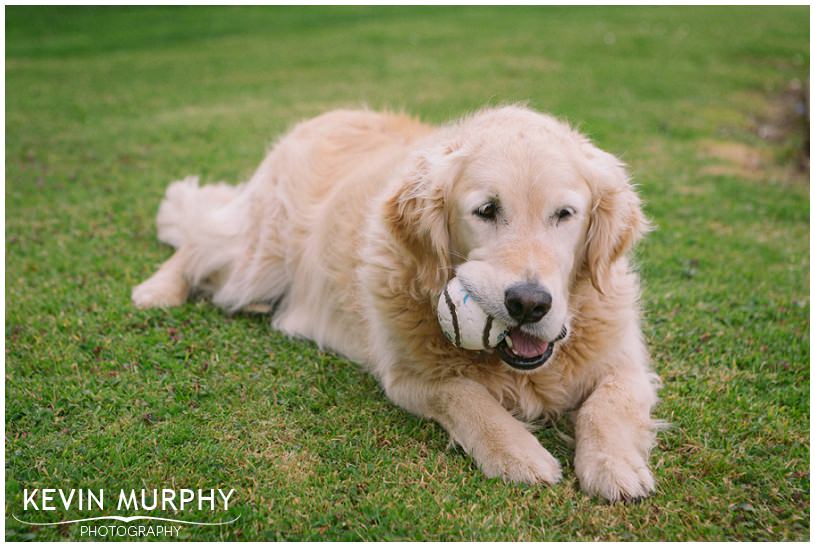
(464, 322)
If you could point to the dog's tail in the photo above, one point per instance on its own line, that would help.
(188, 212)
(207, 222)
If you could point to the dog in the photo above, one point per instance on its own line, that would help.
(356, 220)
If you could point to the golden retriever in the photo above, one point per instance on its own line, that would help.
(356, 220)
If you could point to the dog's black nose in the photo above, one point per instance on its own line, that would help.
(527, 302)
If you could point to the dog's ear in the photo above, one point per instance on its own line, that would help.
(417, 213)
(616, 221)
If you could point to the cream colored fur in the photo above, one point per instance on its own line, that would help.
(355, 221)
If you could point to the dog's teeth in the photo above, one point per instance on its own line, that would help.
(509, 341)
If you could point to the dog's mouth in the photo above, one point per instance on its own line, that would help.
(526, 352)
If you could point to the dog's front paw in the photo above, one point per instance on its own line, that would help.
(158, 293)
(615, 477)
(526, 462)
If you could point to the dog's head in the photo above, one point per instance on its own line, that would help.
(521, 207)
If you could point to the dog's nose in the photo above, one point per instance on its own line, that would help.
(527, 302)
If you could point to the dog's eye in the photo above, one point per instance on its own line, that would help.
(488, 211)
(564, 214)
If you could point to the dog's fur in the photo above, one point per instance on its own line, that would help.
(355, 221)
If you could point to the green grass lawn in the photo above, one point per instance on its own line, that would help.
(104, 107)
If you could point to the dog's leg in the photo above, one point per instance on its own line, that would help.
(614, 435)
(259, 277)
(167, 287)
(500, 444)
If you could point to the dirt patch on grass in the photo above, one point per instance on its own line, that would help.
(735, 158)
(738, 159)
(786, 121)
(782, 153)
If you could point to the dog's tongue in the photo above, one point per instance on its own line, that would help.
(527, 345)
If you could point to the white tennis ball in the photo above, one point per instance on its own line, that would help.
(464, 322)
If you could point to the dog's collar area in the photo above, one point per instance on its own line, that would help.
(528, 363)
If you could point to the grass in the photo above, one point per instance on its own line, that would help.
(105, 106)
